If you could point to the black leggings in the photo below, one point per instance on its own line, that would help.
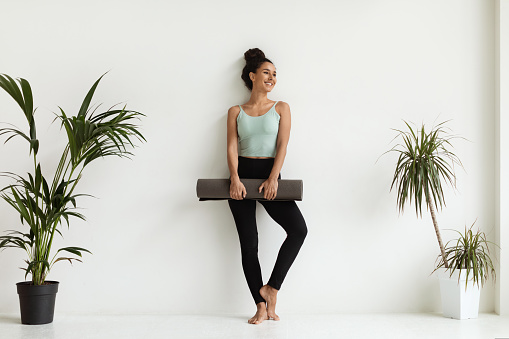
(285, 213)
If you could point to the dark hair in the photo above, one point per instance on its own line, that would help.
(254, 59)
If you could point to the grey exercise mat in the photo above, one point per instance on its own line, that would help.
(219, 189)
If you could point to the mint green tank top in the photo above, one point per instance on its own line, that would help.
(258, 135)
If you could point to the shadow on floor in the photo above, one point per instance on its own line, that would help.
(9, 319)
(233, 316)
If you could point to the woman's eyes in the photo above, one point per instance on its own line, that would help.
(268, 73)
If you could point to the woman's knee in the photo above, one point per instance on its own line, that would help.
(249, 245)
(302, 231)
(298, 230)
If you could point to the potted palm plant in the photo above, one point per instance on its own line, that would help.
(44, 205)
(470, 266)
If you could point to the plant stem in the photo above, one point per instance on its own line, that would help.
(58, 172)
(39, 269)
(54, 227)
(437, 230)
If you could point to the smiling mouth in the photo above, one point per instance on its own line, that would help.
(268, 83)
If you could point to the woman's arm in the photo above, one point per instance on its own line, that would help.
(237, 189)
(270, 185)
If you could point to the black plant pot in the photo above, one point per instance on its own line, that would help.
(37, 302)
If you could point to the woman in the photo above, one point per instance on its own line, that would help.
(258, 133)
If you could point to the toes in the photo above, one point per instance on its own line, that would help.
(256, 321)
(274, 317)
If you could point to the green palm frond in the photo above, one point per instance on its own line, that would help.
(424, 163)
(97, 136)
(22, 94)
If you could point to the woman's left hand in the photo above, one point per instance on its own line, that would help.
(269, 188)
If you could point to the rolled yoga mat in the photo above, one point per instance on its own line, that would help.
(219, 189)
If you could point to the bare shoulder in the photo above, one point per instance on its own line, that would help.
(282, 108)
(233, 112)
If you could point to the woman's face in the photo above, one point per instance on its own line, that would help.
(265, 77)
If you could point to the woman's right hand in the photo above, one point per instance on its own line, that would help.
(237, 189)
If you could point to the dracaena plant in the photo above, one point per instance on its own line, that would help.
(45, 205)
(424, 164)
(470, 253)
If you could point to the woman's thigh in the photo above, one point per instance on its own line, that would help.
(244, 214)
(287, 214)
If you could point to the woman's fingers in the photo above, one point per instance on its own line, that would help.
(266, 191)
(238, 195)
(242, 191)
(273, 191)
(271, 194)
(238, 192)
(269, 190)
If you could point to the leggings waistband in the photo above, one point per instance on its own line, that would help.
(255, 168)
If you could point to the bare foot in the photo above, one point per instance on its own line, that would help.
(261, 314)
(269, 293)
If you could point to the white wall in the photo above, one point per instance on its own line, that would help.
(502, 109)
(350, 70)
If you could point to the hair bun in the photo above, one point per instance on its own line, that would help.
(254, 54)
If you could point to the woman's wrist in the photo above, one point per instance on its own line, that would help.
(272, 178)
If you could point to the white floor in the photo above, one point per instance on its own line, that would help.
(235, 326)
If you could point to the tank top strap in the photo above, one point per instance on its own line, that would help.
(274, 109)
(240, 113)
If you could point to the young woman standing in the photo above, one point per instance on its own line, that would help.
(257, 136)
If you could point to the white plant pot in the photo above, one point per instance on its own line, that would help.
(458, 302)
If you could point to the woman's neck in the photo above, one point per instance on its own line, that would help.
(258, 98)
